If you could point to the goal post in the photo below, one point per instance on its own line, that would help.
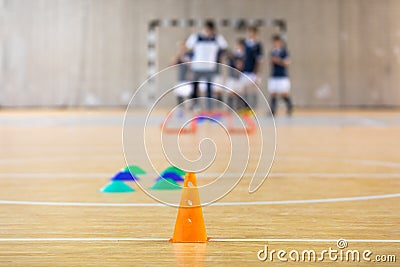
(238, 24)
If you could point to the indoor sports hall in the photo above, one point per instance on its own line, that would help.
(199, 133)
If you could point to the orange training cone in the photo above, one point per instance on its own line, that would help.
(189, 226)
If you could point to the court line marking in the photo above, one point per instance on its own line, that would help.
(293, 240)
(88, 239)
(155, 239)
(207, 175)
(367, 162)
(277, 202)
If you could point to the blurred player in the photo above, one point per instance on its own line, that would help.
(205, 46)
(219, 77)
(236, 59)
(252, 65)
(183, 89)
(279, 83)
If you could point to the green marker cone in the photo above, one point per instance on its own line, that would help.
(117, 187)
(174, 170)
(165, 184)
(134, 169)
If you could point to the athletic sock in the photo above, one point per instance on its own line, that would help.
(273, 104)
(209, 96)
(246, 101)
(254, 101)
(219, 98)
(289, 104)
(230, 102)
(195, 94)
(241, 104)
(179, 100)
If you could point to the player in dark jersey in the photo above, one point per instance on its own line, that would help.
(234, 83)
(279, 82)
(252, 65)
(219, 78)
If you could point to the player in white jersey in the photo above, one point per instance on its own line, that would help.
(205, 47)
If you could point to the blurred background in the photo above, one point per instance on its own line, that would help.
(93, 53)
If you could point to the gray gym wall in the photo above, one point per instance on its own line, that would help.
(93, 52)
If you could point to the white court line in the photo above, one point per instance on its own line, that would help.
(367, 162)
(207, 175)
(293, 240)
(80, 239)
(79, 204)
(251, 203)
(144, 239)
(57, 175)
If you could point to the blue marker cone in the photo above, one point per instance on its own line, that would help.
(174, 170)
(170, 175)
(124, 176)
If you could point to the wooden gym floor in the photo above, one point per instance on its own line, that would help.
(336, 176)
